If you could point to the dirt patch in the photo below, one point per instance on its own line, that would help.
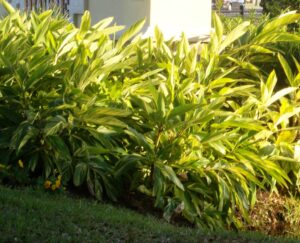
(275, 215)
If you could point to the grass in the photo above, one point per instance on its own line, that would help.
(28, 215)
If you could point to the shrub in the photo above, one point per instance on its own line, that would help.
(208, 122)
(196, 127)
(275, 7)
(53, 112)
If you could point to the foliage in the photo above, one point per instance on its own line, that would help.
(17, 174)
(275, 7)
(229, 23)
(219, 5)
(196, 127)
(52, 112)
(208, 122)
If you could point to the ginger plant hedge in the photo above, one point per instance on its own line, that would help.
(197, 127)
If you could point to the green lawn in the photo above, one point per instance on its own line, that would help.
(36, 216)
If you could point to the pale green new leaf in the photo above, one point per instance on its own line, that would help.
(280, 21)
(106, 111)
(42, 29)
(245, 123)
(102, 24)
(128, 34)
(271, 83)
(286, 116)
(278, 95)
(217, 23)
(7, 6)
(267, 89)
(234, 35)
(85, 23)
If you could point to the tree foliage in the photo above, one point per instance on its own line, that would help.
(275, 7)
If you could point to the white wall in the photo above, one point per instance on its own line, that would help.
(175, 16)
(172, 16)
(125, 12)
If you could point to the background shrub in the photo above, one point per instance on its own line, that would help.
(275, 7)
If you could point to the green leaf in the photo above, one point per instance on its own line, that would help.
(286, 136)
(271, 83)
(218, 83)
(287, 115)
(59, 147)
(103, 23)
(245, 123)
(42, 29)
(106, 121)
(234, 35)
(282, 20)
(218, 146)
(33, 161)
(7, 6)
(80, 174)
(278, 95)
(168, 172)
(128, 34)
(23, 134)
(106, 111)
(140, 139)
(217, 23)
(297, 152)
(55, 125)
(85, 23)
(287, 69)
(182, 109)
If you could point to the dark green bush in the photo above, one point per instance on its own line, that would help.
(275, 7)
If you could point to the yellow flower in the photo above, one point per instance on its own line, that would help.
(57, 183)
(59, 177)
(53, 187)
(21, 164)
(47, 184)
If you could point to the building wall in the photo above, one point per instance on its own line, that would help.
(191, 15)
(125, 12)
(75, 8)
(172, 16)
(17, 4)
